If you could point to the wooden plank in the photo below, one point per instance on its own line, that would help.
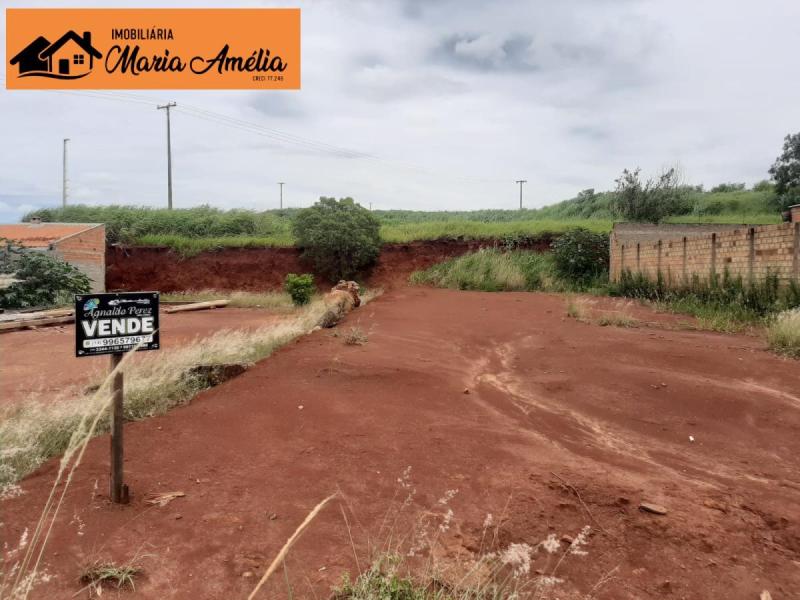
(14, 325)
(198, 306)
(42, 314)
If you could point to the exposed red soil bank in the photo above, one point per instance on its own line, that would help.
(255, 269)
(608, 410)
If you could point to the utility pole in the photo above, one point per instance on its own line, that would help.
(281, 183)
(169, 156)
(520, 182)
(64, 176)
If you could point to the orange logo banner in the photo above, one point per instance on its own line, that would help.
(239, 48)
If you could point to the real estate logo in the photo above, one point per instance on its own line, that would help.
(70, 57)
(153, 48)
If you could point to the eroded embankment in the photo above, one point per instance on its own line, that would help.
(253, 269)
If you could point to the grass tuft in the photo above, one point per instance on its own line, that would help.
(355, 337)
(783, 333)
(578, 309)
(99, 574)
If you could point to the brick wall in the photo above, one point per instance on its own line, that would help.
(86, 251)
(680, 252)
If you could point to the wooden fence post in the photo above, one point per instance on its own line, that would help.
(119, 491)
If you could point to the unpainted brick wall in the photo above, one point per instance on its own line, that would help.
(86, 251)
(680, 253)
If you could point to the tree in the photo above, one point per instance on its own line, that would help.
(786, 172)
(338, 237)
(37, 279)
(650, 201)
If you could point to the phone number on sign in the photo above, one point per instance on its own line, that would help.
(131, 340)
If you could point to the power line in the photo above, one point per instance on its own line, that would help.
(280, 136)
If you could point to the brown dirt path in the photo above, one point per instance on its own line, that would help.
(608, 410)
(37, 363)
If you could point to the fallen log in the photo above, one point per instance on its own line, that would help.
(33, 323)
(198, 306)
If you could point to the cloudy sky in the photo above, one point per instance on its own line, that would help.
(450, 101)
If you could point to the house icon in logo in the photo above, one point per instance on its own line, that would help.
(70, 57)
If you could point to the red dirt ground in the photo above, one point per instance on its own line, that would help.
(607, 410)
(41, 362)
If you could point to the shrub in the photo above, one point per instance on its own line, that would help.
(299, 287)
(725, 188)
(40, 279)
(339, 237)
(653, 200)
(580, 254)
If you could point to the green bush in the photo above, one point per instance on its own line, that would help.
(339, 237)
(42, 280)
(580, 254)
(299, 287)
(653, 200)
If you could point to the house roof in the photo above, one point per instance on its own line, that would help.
(35, 47)
(71, 35)
(41, 235)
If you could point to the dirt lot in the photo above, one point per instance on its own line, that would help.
(40, 362)
(565, 424)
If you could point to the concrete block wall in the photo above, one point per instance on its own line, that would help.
(85, 250)
(681, 252)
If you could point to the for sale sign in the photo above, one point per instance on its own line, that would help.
(114, 323)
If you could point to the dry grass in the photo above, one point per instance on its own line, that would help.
(578, 308)
(355, 337)
(33, 431)
(30, 434)
(783, 333)
(618, 319)
(420, 564)
(274, 301)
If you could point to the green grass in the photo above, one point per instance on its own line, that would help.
(455, 229)
(730, 219)
(494, 270)
(194, 230)
(727, 304)
(190, 246)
